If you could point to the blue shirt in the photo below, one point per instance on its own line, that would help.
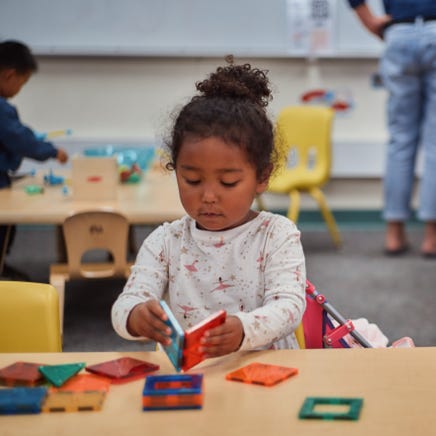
(404, 9)
(17, 142)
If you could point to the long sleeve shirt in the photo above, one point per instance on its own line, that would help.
(17, 142)
(404, 9)
(255, 271)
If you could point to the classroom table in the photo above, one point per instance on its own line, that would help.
(152, 201)
(397, 386)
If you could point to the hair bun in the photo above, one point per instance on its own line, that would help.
(238, 82)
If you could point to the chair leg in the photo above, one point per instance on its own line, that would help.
(58, 282)
(5, 232)
(294, 205)
(131, 242)
(317, 194)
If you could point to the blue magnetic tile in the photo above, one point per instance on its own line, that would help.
(21, 400)
(175, 349)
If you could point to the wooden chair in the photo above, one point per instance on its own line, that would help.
(85, 232)
(303, 133)
(29, 318)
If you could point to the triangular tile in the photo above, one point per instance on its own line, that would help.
(59, 374)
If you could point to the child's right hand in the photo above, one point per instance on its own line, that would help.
(62, 155)
(147, 319)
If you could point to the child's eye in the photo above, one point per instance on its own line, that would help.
(229, 185)
(192, 182)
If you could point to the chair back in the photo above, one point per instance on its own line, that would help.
(29, 318)
(303, 134)
(96, 230)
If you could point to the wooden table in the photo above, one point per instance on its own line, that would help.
(152, 201)
(398, 387)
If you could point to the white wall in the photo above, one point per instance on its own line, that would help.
(131, 99)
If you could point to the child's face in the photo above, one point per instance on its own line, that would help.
(11, 82)
(217, 184)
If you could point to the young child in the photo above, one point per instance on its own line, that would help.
(17, 141)
(223, 254)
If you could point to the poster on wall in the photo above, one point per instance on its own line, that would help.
(311, 26)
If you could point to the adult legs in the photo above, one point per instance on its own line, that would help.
(427, 204)
(404, 112)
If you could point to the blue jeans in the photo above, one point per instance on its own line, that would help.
(408, 69)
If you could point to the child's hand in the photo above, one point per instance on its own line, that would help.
(223, 339)
(147, 319)
(62, 155)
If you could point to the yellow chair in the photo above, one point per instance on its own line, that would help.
(303, 133)
(85, 232)
(29, 318)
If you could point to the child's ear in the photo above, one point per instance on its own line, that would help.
(264, 180)
(7, 73)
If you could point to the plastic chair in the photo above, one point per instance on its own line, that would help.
(29, 318)
(303, 133)
(83, 233)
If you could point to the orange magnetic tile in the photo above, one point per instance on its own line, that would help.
(262, 374)
(172, 401)
(85, 383)
(191, 353)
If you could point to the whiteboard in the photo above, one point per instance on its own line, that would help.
(169, 28)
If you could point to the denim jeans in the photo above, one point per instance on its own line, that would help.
(408, 69)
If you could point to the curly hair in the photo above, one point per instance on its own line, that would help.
(230, 105)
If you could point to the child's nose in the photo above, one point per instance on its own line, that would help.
(209, 195)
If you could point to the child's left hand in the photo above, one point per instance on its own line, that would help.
(223, 339)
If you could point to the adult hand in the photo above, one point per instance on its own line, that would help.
(147, 320)
(223, 339)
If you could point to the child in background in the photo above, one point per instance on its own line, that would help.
(17, 141)
(223, 254)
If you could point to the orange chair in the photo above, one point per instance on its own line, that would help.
(303, 133)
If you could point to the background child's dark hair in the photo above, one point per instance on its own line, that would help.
(16, 55)
(231, 106)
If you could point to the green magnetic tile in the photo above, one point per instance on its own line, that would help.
(59, 374)
(308, 411)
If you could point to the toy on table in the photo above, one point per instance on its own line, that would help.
(83, 392)
(21, 400)
(175, 391)
(130, 174)
(53, 180)
(83, 383)
(262, 374)
(21, 374)
(34, 189)
(59, 374)
(123, 370)
(308, 409)
(184, 350)
(42, 136)
(132, 161)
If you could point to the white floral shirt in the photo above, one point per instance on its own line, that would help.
(255, 271)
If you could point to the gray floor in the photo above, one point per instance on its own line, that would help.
(396, 293)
